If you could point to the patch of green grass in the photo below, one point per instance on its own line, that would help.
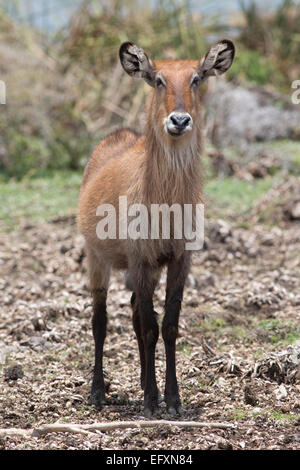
(236, 195)
(39, 199)
(279, 331)
(258, 413)
(218, 327)
(237, 414)
(213, 324)
(281, 416)
(83, 408)
(239, 331)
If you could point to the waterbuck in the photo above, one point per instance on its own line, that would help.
(162, 166)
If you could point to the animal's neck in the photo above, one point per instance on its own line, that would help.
(172, 171)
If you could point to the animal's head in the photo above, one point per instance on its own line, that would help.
(176, 84)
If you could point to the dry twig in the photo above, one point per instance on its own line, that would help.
(91, 428)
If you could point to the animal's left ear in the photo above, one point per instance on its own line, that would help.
(217, 60)
(136, 62)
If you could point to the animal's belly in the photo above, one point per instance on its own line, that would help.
(156, 252)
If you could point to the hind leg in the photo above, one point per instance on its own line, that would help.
(99, 278)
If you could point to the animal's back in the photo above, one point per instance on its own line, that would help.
(112, 146)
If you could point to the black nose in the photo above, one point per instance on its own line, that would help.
(181, 121)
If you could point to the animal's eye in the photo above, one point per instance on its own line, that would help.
(159, 82)
(195, 81)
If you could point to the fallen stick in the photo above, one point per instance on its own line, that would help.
(14, 432)
(92, 428)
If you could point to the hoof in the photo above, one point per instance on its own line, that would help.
(174, 405)
(151, 405)
(175, 411)
(148, 413)
(98, 400)
(172, 411)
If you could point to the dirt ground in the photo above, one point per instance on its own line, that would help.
(238, 349)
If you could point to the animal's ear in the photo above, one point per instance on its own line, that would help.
(217, 60)
(136, 62)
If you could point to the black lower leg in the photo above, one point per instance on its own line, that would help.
(144, 279)
(137, 328)
(149, 329)
(177, 272)
(99, 332)
(169, 333)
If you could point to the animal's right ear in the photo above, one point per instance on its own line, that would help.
(136, 62)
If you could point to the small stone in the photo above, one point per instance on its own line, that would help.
(13, 373)
(223, 444)
(286, 408)
(281, 392)
(249, 396)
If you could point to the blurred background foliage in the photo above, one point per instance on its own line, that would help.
(65, 94)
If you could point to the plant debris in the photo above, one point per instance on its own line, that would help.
(242, 297)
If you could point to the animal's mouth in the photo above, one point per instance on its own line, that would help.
(176, 134)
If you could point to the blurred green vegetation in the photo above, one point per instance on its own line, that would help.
(276, 37)
(55, 194)
(50, 195)
(250, 65)
(235, 195)
(63, 97)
